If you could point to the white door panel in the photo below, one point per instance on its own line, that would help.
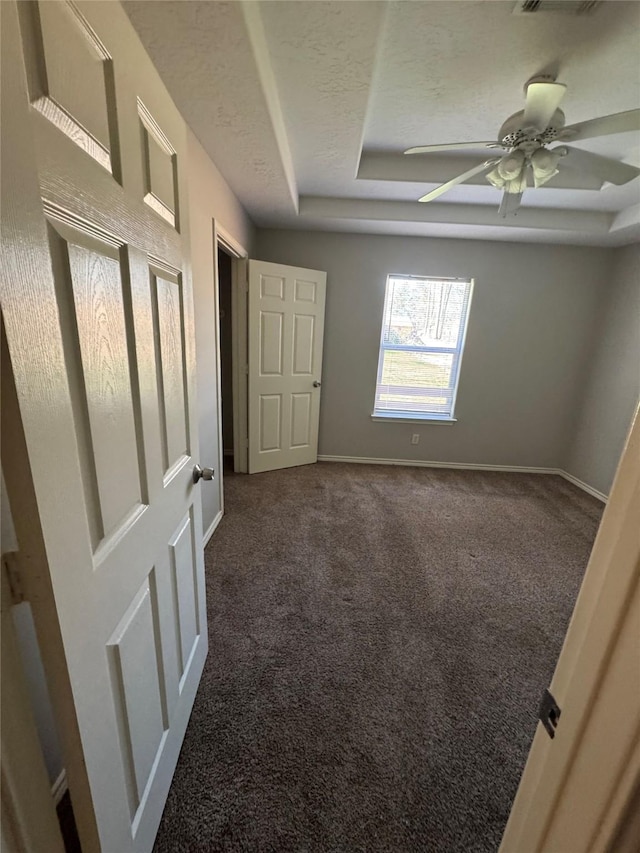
(99, 324)
(301, 405)
(576, 787)
(286, 325)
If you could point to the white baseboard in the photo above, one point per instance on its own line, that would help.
(59, 787)
(212, 529)
(584, 486)
(467, 466)
(419, 463)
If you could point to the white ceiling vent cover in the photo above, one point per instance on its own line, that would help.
(556, 7)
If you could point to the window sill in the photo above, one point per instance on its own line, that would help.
(411, 419)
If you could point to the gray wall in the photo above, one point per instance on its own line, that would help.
(210, 198)
(531, 325)
(612, 383)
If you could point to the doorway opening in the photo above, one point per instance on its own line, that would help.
(225, 290)
(231, 353)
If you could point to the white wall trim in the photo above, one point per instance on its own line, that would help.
(419, 463)
(239, 364)
(584, 486)
(467, 466)
(229, 243)
(212, 529)
(59, 787)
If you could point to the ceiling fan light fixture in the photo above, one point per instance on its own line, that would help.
(510, 166)
(514, 186)
(510, 174)
(544, 165)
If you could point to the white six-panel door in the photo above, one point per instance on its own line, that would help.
(286, 325)
(97, 308)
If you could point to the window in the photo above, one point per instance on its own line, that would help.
(423, 329)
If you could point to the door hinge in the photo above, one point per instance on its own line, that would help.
(246, 369)
(549, 713)
(11, 562)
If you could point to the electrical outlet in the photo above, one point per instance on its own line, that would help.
(415, 438)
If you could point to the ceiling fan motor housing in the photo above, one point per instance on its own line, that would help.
(513, 135)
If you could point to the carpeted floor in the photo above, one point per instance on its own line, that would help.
(379, 641)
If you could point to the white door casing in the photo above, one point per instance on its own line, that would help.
(27, 812)
(286, 326)
(97, 306)
(240, 363)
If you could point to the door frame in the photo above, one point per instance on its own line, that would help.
(222, 239)
(27, 811)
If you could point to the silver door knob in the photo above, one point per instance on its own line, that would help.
(316, 384)
(202, 473)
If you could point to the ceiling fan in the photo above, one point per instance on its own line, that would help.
(522, 145)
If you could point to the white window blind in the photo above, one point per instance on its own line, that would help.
(423, 330)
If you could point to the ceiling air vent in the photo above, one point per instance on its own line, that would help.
(556, 7)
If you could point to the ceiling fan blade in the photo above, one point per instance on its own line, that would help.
(543, 99)
(453, 146)
(483, 167)
(603, 126)
(609, 170)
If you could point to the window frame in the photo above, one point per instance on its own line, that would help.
(404, 415)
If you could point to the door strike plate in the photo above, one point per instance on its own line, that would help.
(549, 713)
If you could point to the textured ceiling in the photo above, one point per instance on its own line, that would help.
(307, 106)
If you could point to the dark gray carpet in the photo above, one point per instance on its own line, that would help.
(379, 641)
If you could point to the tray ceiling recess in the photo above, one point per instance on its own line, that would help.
(307, 110)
